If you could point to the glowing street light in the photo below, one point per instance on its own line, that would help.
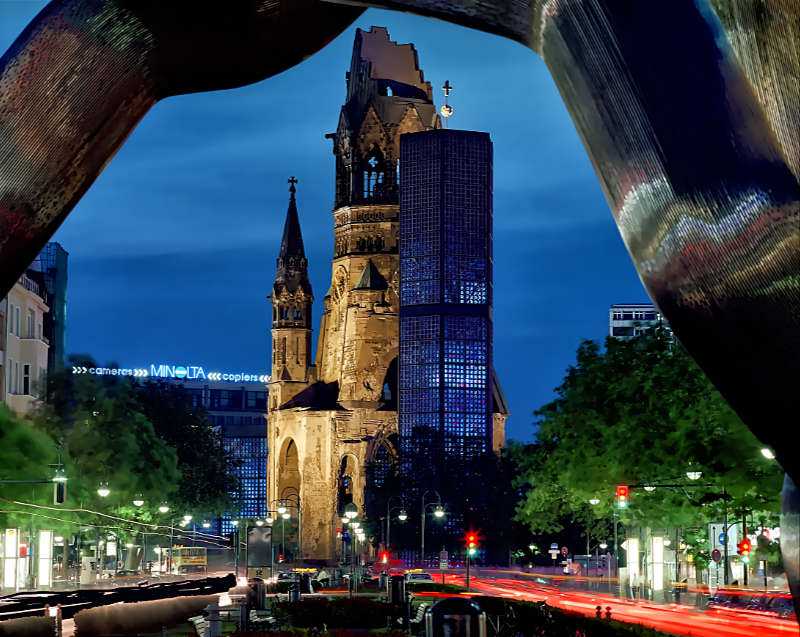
(345, 521)
(285, 515)
(603, 545)
(694, 475)
(259, 522)
(649, 488)
(351, 510)
(164, 508)
(768, 453)
(269, 519)
(206, 524)
(103, 491)
(235, 523)
(402, 516)
(138, 500)
(438, 511)
(281, 508)
(594, 501)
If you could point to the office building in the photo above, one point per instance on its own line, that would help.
(52, 263)
(629, 320)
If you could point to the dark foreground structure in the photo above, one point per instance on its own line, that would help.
(689, 109)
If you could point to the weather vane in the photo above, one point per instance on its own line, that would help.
(447, 110)
(292, 182)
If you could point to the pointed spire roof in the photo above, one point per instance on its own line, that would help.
(292, 265)
(371, 278)
(292, 241)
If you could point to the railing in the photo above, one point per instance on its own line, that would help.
(32, 286)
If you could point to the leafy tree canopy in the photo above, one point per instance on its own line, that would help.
(641, 412)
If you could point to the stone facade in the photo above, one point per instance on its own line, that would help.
(330, 419)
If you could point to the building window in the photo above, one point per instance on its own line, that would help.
(373, 175)
(10, 383)
(16, 320)
(26, 380)
(31, 326)
(257, 400)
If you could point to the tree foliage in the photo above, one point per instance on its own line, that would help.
(141, 439)
(641, 412)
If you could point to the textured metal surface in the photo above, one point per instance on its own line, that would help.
(84, 72)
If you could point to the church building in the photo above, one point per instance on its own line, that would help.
(333, 419)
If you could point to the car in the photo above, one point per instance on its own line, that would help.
(419, 577)
(287, 576)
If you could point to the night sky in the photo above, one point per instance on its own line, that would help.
(172, 250)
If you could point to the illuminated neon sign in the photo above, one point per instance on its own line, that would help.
(178, 372)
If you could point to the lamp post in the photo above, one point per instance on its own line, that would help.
(438, 512)
(350, 514)
(402, 516)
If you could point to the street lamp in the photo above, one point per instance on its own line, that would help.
(693, 474)
(164, 508)
(650, 488)
(269, 520)
(281, 508)
(138, 500)
(187, 518)
(768, 453)
(103, 491)
(206, 524)
(350, 510)
(402, 516)
(285, 515)
(259, 522)
(594, 501)
(438, 513)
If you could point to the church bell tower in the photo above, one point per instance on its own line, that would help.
(291, 311)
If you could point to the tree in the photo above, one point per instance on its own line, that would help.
(107, 438)
(208, 483)
(641, 412)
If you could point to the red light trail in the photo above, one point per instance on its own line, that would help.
(678, 619)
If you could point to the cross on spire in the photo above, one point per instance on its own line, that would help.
(446, 110)
(292, 181)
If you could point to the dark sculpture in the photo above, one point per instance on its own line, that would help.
(690, 111)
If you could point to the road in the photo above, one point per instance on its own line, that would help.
(678, 619)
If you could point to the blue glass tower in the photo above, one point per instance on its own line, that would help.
(445, 363)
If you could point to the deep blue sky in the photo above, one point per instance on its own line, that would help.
(172, 251)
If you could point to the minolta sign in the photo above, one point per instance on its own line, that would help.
(178, 372)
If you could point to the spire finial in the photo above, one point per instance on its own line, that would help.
(447, 110)
(292, 182)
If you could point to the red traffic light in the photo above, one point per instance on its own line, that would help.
(622, 491)
(471, 540)
(745, 546)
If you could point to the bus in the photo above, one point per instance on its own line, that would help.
(189, 559)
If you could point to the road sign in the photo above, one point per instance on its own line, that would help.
(553, 553)
(444, 558)
(554, 546)
(716, 555)
(564, 551)
(722, 538)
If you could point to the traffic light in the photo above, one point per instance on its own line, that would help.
(744, 548)
(59, 492)
(622, 496)
(384, 557)
(472, 544)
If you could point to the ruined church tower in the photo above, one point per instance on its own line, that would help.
(329, 421)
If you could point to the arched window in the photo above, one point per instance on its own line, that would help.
(374, 175)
